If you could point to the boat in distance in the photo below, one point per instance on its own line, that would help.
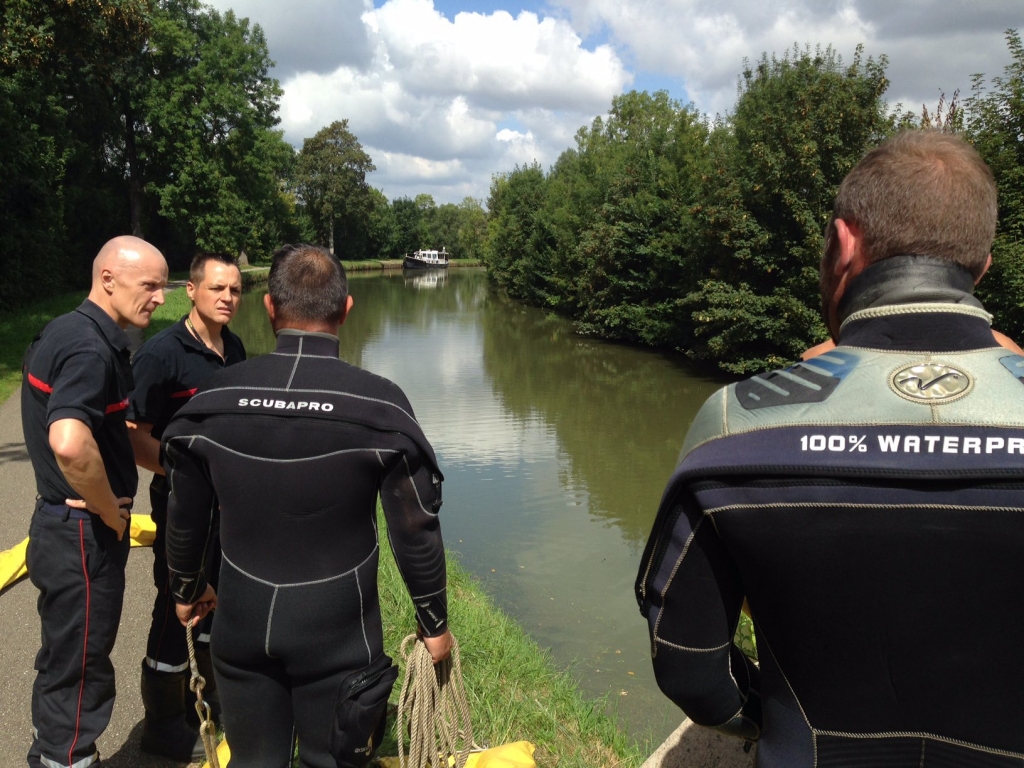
(426, 259)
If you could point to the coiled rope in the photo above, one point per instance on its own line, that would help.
(207, 728)
(433, 703)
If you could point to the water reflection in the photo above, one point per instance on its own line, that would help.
(555, 450)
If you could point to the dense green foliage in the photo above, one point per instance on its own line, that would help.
(158, 117)
(665, 228)
(147, 116)
(994, 122)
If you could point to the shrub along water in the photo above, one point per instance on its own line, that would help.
(666, 228)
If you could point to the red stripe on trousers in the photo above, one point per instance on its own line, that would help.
(85, 643)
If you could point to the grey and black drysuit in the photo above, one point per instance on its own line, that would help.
(869, 504)
(294, 447)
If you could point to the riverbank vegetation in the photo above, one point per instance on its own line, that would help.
(666, 228)
(17, 329)
(515, 691)
(159, 118)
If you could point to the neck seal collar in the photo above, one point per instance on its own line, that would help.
(909, 283)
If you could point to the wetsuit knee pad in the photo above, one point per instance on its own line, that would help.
(360, 713)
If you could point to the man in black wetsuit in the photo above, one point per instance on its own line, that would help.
(294, 447)
(73, 401)
(167, 371)
(868, 502)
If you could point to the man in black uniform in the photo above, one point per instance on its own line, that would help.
(294, 448)
(867, 502)
(73, 401)
(167, 370)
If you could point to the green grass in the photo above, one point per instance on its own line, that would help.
(175, 305)
(515, 690)
(17, 329)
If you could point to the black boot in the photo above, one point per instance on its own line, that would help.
(165, 731)
(205, 663)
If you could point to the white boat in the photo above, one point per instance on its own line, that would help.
(426, 259)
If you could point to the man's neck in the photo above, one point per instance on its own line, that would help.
(101, 299)
(209, 333)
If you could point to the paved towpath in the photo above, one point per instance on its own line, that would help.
(19, 622)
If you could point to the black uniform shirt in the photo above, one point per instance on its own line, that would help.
(169, 368)
(78, 368)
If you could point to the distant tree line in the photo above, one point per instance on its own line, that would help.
(158, 117)
(665, 228)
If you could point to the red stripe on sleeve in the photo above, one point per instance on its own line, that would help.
(115, 407)
(39, 384)
(185, 392)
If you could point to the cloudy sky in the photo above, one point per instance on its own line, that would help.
(444, 93)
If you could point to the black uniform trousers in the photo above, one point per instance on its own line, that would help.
(280, 655)
(166, 647)
(77, 564)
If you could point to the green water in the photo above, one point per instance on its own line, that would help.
(555, 450)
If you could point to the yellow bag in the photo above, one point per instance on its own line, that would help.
(12, 565)
(518, 754)
(223, 754)
(12, 561)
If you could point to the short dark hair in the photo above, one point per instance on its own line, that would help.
(197, 269)
(921, 192)
(307, 284)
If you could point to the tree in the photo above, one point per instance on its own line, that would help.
(330, 177)
(801, 123)
(199, 145)
(407, 225)
(59, 198)
(995, 125)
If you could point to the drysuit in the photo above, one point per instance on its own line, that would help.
(294, 447)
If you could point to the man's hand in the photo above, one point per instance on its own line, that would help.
(116, 519)
(440, 647)
(198, 609)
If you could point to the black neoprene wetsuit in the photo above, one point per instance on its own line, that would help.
(294, 447)
(869, 504)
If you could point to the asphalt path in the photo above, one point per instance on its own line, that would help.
(19, 622)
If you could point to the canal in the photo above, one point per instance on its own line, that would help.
(555, 450)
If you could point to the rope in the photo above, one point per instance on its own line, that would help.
(433, 702)
(207, 728)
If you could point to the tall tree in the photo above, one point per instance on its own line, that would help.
(995, 124)
(199, 110)
(801, 123)
(330, 177)
(58, 198)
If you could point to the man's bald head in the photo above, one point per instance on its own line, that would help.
(120, 252)
(128, 278)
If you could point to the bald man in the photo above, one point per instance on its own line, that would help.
(73, 400)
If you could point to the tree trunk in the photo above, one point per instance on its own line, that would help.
(332, 238)
(134, 169)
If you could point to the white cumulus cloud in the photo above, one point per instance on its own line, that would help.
(440, 104)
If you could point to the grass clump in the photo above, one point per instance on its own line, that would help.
(514, 689)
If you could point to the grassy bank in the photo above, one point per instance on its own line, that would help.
(515, 690)
(17, 330)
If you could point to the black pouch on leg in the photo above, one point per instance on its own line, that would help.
(360, 714)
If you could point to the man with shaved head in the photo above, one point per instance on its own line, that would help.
(73, 400)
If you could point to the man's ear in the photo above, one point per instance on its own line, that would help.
(848, 237)
(348, 308)
(107, 280)
(268, 304)
(988, 263)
